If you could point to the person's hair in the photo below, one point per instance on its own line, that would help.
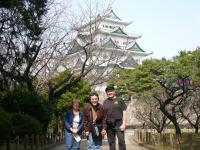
(76, 100)
(110, 88)
(94, 94)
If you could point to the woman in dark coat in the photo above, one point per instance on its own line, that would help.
(94, 115)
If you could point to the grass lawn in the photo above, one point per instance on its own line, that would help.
(187, 140)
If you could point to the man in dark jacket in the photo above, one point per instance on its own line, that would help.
(115, 118)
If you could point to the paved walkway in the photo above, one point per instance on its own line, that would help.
(130, 144)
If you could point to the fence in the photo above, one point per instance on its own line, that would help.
(166, 141)
(33, 142)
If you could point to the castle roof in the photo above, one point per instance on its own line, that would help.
(111, 15)
(79, 63)
(119, 31)
(109, 37)
(135, 47)
(129, 62)
(75, 47)
(115, 32)
(110, 44)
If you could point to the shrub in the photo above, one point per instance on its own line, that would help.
(5, 126)
(25, 124)
(27, 102)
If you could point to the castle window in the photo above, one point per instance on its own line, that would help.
(116, 41)
(125, 43)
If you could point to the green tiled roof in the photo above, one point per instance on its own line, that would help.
(79, 63)
(75, 47)
(129, 62)
(110, 44)
(136, 48)
(119, 31)
(112, 15)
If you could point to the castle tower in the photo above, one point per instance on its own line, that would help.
(108, 47)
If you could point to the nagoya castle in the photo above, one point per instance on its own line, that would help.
(108, 47)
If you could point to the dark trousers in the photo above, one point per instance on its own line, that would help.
(111, 133)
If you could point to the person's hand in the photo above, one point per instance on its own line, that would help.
(87, 133)
(75, 131)
(122, 127)
(103, 132)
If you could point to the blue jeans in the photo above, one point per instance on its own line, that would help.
(94, 143)
(71, 142)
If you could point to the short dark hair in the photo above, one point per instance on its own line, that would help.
(94, 94)
(110, 88)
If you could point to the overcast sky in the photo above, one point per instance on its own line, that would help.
(166, 26)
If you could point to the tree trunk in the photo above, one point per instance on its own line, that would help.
(51, 96)
(8, 144)
(178, 134)
(173, 119)
(29, 85)
(177, 128)
(160, 139)
(196, 129)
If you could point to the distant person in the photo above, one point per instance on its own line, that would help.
(94, 115)
(115, 118)
(73, 127)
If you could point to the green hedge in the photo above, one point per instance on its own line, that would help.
(12, 124)
(26, 102)
(5, 126)
(25, 124)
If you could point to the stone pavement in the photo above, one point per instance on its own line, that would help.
(130, 145)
